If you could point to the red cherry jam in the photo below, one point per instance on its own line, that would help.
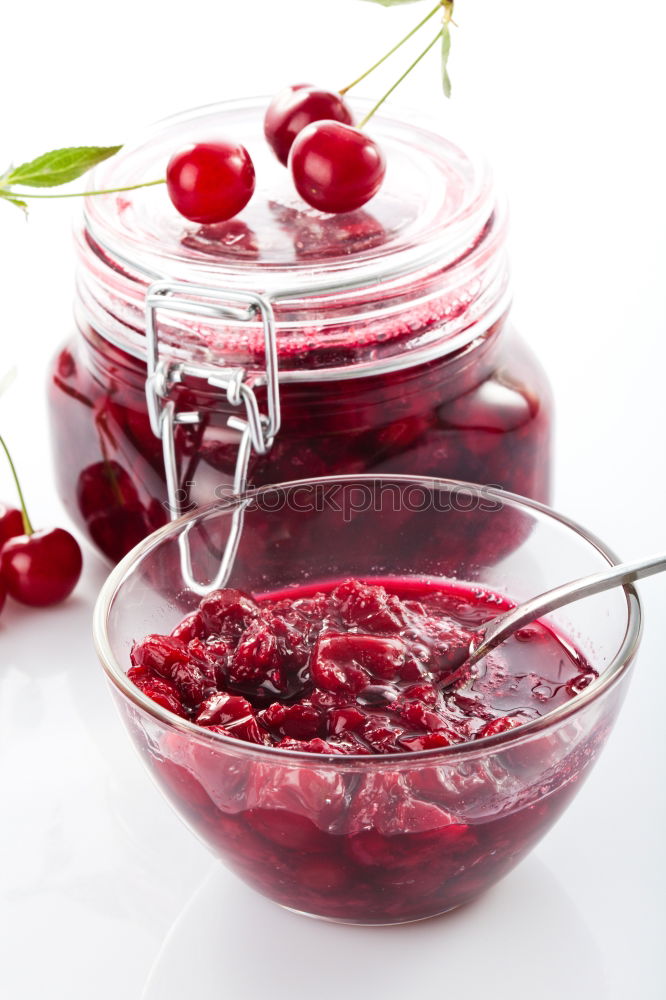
(357, 668)
(349, 675)
(461, 417)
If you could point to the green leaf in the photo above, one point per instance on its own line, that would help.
(59, 166)
(14, 200)
(446, 48)
(393, 3)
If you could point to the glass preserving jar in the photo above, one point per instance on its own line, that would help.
(285, 343)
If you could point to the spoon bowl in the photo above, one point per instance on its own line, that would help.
(500, 628)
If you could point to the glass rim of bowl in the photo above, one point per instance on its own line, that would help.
(114, 671)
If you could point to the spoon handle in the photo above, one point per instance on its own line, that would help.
(505, 625)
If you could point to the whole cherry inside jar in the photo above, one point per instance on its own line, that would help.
(286, 343)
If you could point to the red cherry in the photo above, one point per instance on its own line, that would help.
(161, 690)
(295, 107)
(11, 523)
(211, 181)
(335, 167)
(42, 568)
(3, 595)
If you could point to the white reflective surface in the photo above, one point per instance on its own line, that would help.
(387, 962)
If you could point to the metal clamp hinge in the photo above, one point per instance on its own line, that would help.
(257, 429)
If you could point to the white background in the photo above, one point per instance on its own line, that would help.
(100, 883)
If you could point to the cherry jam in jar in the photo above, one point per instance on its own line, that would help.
(286, 344)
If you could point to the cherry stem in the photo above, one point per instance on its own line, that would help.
(394, 49)
(27, 526)
(397, 83)
(83, 194)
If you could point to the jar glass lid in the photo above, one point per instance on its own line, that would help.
(428, 236)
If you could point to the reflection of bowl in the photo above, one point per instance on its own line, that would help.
(371, 839)
(218, 936)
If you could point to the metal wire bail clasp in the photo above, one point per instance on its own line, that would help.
(257, 429)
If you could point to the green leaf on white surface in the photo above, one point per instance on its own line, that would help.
(60, 166)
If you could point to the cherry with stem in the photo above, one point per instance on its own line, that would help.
(27, 526)
(212, 182)
(38, 568)
(336, 167)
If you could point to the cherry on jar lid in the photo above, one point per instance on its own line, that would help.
(420, 271)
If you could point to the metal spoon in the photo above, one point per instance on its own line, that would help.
(500, 628)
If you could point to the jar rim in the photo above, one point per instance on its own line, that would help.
(128, 225)
(612, 673)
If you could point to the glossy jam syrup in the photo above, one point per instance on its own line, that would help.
(357, 668)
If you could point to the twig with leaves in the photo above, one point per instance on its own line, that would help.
(60, 166)
(443, 36)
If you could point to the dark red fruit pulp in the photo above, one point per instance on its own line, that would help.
(108, 500)
(354, 668)
(357, 835)
(295, 107)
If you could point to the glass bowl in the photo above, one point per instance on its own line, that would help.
(381, 839)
